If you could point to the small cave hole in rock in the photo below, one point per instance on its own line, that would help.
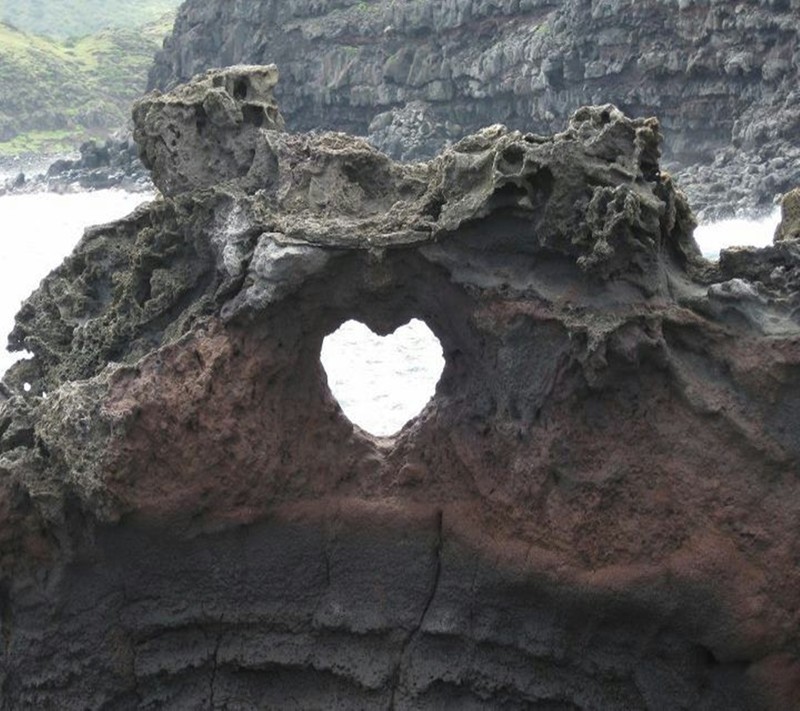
(382, 383)
(200, 119)
(240, 89)
(513, 156)
(253, 115)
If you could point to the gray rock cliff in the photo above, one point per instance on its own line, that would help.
(415, 75)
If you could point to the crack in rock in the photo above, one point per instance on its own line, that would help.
(414, 634)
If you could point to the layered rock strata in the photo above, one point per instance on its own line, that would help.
(722, 76)
(598, 509)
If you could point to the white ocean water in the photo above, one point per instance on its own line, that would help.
(380, 384)
(754, 232)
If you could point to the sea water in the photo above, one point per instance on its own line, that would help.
(379, 384)
(753, 232)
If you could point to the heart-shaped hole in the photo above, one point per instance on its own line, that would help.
(382, 383)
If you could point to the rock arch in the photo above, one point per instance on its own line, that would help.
(597, 511)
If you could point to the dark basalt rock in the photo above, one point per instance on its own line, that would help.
(598, 509)
(113, 163)
(415, 76)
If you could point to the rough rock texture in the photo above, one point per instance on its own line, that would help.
(598, 509)
(207, 132)
(722, 76)
(789, 227)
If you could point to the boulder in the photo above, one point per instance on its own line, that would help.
(789, 227)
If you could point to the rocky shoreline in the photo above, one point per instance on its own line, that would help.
(598, 509)
(113, 163)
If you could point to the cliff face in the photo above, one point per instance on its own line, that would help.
(721, 76)
(598, 509)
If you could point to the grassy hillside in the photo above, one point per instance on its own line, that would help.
(55, 93)
(77, 18)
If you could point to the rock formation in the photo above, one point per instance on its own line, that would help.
(722, 76)
(789, 228)
(598, 509)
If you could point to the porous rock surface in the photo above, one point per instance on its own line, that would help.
(722, 76)
(598, 509)
(789, 227)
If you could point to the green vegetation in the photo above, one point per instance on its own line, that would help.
(38, 142)
(57, 93)
(62, 19)
(366, 7)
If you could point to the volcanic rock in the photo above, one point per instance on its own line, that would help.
(207, 132)
(789, 227)
(604, 507)
(414, 76)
